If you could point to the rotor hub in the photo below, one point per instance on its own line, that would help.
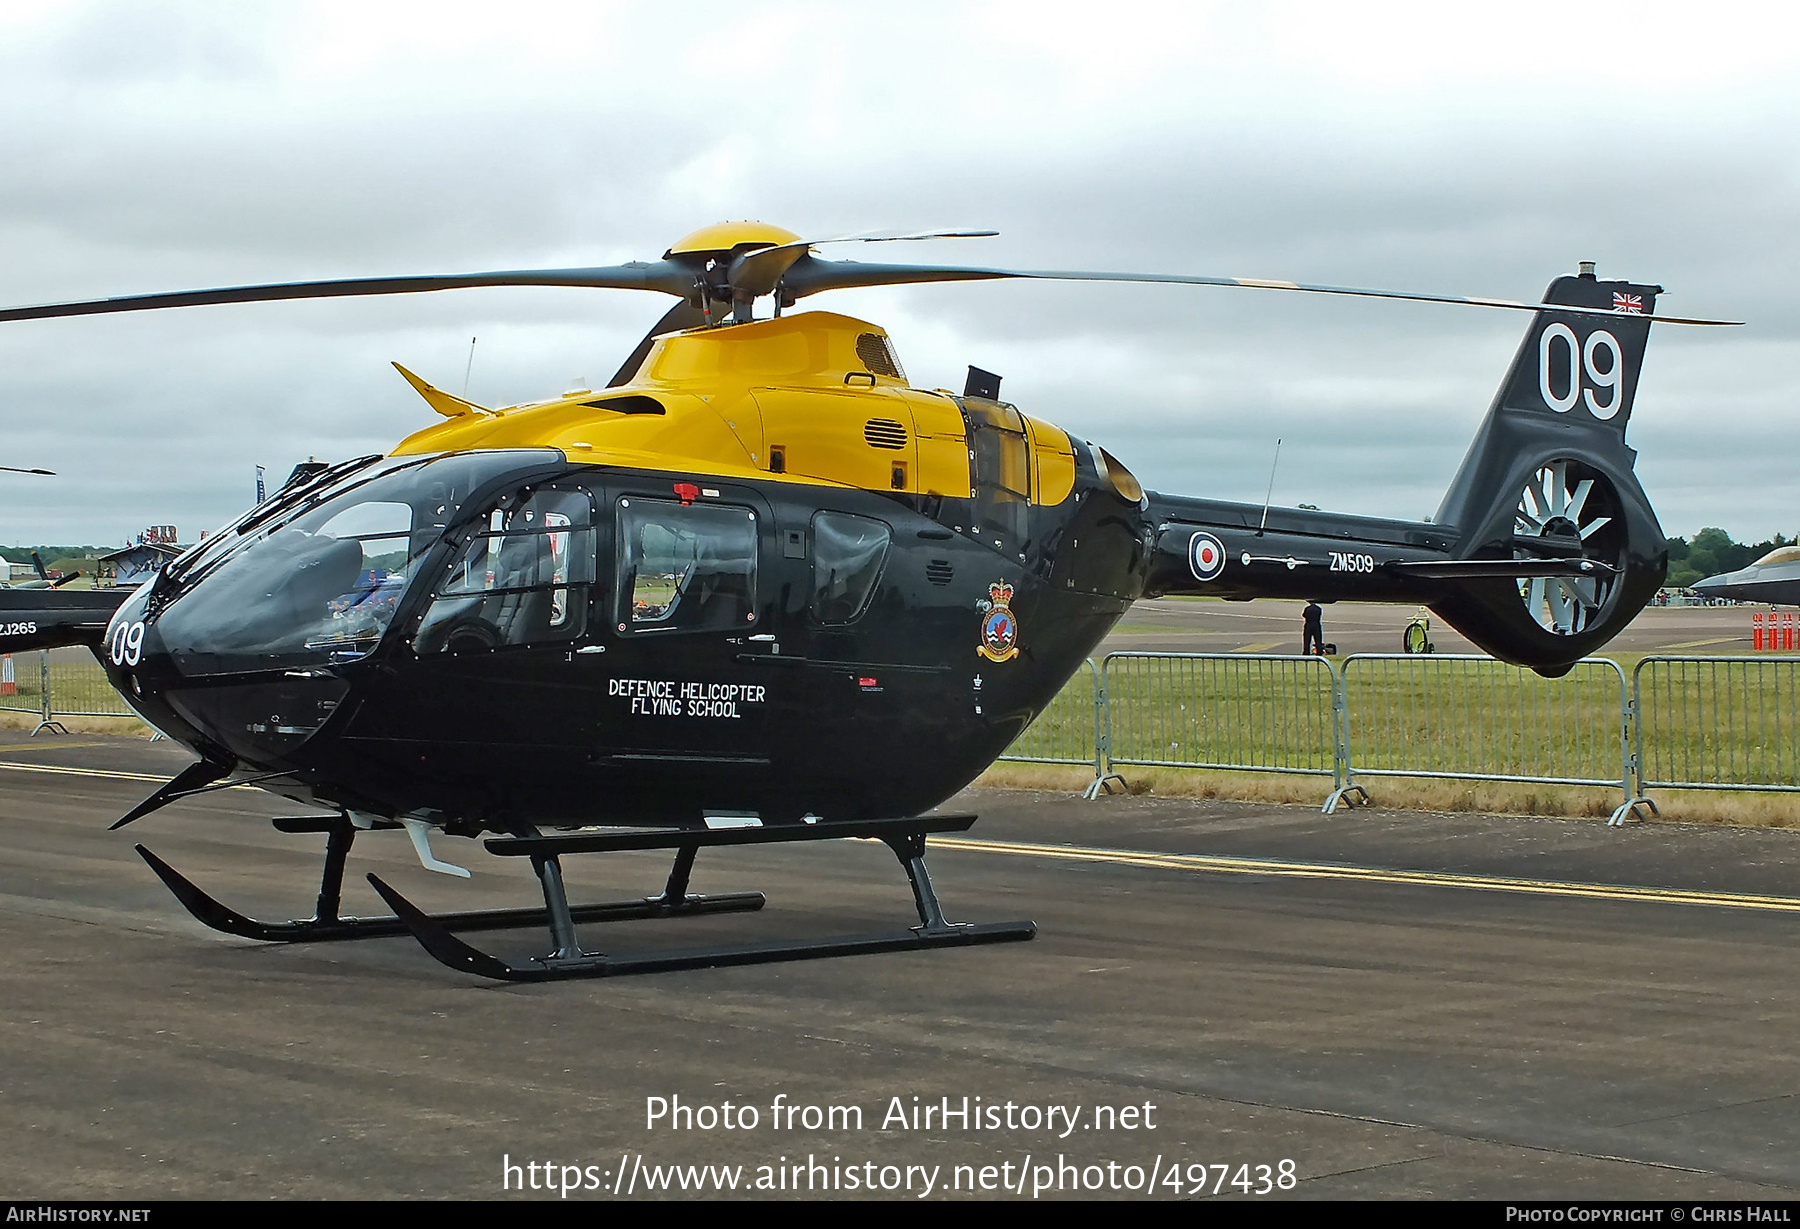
(725, 238)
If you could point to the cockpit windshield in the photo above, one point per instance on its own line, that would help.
(318, 582)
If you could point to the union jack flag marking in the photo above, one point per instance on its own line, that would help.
(1632, 304)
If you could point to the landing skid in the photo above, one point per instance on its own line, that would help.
(906, 837)
(326, 925)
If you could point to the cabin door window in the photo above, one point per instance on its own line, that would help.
(685, 567)
(522, 578)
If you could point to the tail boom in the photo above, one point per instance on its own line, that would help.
(52, 618)
(1545, 546)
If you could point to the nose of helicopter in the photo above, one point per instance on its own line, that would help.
(259, 719)
(244, 645)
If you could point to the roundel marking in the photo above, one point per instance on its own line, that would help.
(1206, 556)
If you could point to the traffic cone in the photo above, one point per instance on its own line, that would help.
(9, 685)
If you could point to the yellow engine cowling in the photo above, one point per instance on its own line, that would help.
(813, 397)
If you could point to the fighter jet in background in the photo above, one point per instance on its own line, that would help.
(1774, 578)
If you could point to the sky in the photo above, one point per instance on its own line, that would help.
(1464, 149)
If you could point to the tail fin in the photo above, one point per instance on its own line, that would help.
(1549, 476)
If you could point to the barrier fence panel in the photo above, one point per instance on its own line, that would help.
(1070, 729)
(22, 684)
(1248, 712)
(79, 688)
(1717, 723)
(1479, 719)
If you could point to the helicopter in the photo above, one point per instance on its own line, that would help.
(759, 588)
(52, 615)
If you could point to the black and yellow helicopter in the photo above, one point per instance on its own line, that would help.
(759, 588)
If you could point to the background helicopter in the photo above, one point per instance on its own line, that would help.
(51, 615)
(718, 596)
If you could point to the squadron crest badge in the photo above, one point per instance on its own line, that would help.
(1000, 627)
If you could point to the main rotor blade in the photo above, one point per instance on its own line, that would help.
(662, 275)
(758, 272)
(13, 469)
(811, 275)
(909, 237)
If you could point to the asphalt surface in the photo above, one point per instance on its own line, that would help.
(1401, 1005)
(1207, 625)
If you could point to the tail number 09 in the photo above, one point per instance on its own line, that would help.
(126, 644)
(1610, 379)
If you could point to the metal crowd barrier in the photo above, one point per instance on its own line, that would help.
(62, 683)
(1071, 729)
(78, 687)
(1240, 711)
(26, 691)
(1726, 723)
(1474, 718)
(1436, 716)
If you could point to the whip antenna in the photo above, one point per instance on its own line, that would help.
(1271, 491)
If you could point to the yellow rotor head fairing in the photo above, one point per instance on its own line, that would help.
(731, 236)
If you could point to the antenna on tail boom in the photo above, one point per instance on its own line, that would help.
(1267, 495)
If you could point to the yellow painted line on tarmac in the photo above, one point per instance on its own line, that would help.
(49, 746)
(1211, 864)
(1701, 644)
(1259, 648)
(1369, 874)
(108, 774)
(61, 770)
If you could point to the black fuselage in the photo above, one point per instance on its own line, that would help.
(881, 701)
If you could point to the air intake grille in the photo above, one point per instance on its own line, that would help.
(884, 433)
(939, 571)
(878, 356)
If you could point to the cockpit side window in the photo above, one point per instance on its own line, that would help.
(524, 577)
(685, 567)
(848, 553)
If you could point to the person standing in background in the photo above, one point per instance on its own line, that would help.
(1312, 633)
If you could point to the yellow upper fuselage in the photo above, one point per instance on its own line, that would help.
(814, 398)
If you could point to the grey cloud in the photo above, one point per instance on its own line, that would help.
(176, 147)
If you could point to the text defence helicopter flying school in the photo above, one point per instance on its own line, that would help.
(697, 605)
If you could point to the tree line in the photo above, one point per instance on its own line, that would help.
(1712, 551)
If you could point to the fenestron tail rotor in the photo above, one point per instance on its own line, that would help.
(736, 263)
(1562, 511)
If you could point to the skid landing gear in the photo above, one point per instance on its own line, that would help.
(567, 959)
(326, 925)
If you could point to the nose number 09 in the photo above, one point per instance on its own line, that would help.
(126, 643)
